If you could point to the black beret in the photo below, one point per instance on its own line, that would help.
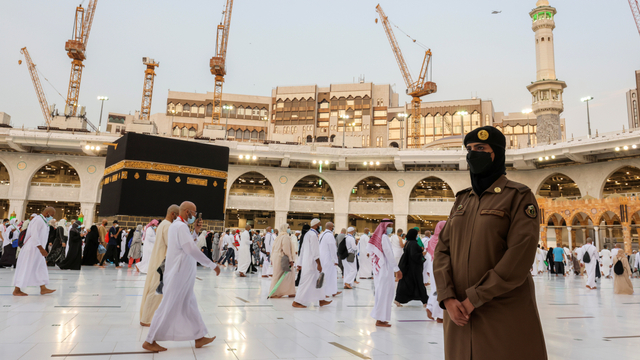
(486, 135)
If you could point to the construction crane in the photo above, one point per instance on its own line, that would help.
(416, 89)
(218, 62)
(44, 106)
(635, 10)
(75, 49)
(147, 89)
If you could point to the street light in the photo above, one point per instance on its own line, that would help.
(587, 99)
(402, 116)
(101, 98)
(226, 123)
(344, 130)
(527, 112)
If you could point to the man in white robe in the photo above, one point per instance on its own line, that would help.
(178, 317)
(363, 256)
(31, 268)
(309, 264)
(149, 241)
(605, 266)
(637, 269)
(244, 253)
(329, 260)
(384, 269)
(267, 270)
(590, 267)
(350, 268)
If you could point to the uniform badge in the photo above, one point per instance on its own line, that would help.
(497, 190)
(459, 207)
(483, 135)
(531, 211)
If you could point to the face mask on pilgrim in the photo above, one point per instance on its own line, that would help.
(389, 231)
(479, 161)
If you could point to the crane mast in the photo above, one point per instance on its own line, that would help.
(218, 62)
(423, 86)
(147, 89)
(635, 11)
(75, 48)
(44, 106)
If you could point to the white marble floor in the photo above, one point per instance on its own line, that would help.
(96, 311)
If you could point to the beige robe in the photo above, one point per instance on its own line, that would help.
(622, 283)
(282, 246)
(151, 300)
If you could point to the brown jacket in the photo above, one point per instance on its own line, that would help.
(485, 253)
(103, 234)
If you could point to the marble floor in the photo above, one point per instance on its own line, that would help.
(95, 315)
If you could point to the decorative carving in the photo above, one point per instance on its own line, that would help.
(136, 176)
(124, 174)
(197, 181)
(215, 183)
(157, 177)
(178, 179)
(179, 169)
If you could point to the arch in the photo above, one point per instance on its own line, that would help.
(312, 187)
(558, 185)
(431, 187)
(371, 188)
(555, 219)
(332, 138)
(184, 132)
(309, 138)
(579, 217)
(56, 172)
(394, 144)
(5, 176)
(252, 182)
(624, 180)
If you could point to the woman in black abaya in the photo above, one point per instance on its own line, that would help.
(411, 286)
(56, 254)
(74, 256)
(90, 254)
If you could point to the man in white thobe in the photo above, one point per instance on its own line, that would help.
(350, 268)
(31, 268)
(268, 244)
(244, 253)
(329, 260)
(178, 317)
(363, 256)
(590, 267)
(384, 269)
(637, 263)
(309, 264)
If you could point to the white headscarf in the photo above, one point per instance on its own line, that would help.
(202, 239)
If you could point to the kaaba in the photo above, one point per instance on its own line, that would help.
(145, 174)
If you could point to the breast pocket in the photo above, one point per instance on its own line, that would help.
(496, 223)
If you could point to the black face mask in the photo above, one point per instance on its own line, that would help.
(479, 161)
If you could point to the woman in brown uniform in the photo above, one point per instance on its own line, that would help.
(482, 261)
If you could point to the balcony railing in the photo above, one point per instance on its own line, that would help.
(250, 194)
(372, 200)
(432, 199)
(313, 198)
(60, 185)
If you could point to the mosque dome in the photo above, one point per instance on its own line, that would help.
(542, 3)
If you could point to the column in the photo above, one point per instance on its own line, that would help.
(340, 221)
(281, 218)
(401, 223)
(17, 206)
(558, 236)
(626, 236)
(88, 210)
(596, 232)
(569, 236)
(543, 236)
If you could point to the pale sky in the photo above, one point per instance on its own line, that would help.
(300, 42)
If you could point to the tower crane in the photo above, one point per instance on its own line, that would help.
(147, 89)
(44, 106)
(75, 48)
(635, 10)
(218, 62)
(416, 89)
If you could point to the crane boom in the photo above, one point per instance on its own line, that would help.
(635, 11)
(147, 90)
(423, 86)
(44, 106)
(75, 48)
(218, 62)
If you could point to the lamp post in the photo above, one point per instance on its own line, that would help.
(101, 98)
(462, 114)
(587, 99)
(527, 112)
(401, 116)
(226, 122)
(344, 129)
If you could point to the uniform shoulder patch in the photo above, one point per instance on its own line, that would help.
(463, 191)
(531, 211)
(522, 188)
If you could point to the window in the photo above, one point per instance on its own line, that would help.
(379, 122)
(264, 112)
(324, 105)
(486, 120)
(350, 102)
(192, 132)
(542, 39)
(186, 108)
(334, 113)
(309, 138)
(254, 135)
(324, 116)
(201, 109)
(185, 132)
(380, 113)
(280, 105)
(170, 107)
(261, 135)
(247, 134)
(176, 131)
(240, 110)
(255, 112)
(209, 111)
(179, 108)
(231, 133)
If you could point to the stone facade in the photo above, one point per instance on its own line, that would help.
(549, 129)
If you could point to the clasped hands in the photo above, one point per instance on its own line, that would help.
(459, 312)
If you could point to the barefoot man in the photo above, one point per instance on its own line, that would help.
(31, 268)
(177, 317)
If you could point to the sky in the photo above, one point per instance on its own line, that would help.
(302, 42)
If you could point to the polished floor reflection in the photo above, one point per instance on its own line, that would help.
(95, 312)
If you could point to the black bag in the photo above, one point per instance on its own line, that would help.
(342, 250)
(21, 238)
(618, 269)
(586, 258)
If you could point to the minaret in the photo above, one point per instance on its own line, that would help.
(547, 90)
